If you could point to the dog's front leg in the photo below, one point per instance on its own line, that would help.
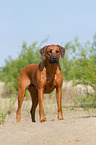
(59, 99)
(40, 100)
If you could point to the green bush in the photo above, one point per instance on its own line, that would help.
(12, 69)
(78, 65)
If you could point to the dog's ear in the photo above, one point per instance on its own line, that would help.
(43, 52)
(62, 50)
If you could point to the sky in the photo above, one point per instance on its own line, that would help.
(35, 20)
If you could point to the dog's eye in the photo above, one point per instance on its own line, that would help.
(57, 51)
(50, 51)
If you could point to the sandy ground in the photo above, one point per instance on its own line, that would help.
(78, 128)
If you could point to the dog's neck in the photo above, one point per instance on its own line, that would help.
(50, 67)
(50, 70)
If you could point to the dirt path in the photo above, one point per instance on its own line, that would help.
(78, 128)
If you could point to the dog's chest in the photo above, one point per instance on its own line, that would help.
(50, 83)
(50, 80)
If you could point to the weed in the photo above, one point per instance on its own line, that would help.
(2, 118)
(7, 105)
(12, 102)
(9, 112)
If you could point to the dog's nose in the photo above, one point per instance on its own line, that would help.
(54, 58)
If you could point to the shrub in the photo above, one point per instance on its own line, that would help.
(78, 65)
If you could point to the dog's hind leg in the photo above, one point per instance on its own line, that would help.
(34, 95)
(23, 83)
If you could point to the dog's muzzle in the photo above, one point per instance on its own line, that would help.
(53, 59)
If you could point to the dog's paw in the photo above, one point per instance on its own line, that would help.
(60, 118)
(43, 120)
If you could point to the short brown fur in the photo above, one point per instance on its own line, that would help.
(42, 78)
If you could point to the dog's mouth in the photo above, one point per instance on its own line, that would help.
(53, 59)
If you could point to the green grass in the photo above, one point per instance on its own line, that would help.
(7, 106)
(71, 100)
(2, 118)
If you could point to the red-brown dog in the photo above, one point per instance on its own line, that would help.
(42, 78)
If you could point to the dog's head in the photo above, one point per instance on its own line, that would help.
(52, 53)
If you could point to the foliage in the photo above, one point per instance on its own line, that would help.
(83, 68)
(7, 106)
(12, 69)
(2, 117)
(78, 65)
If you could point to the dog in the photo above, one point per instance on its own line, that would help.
(42, 78)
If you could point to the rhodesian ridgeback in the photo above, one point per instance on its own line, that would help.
(42, 78)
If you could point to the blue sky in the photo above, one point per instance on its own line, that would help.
(29, 20)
